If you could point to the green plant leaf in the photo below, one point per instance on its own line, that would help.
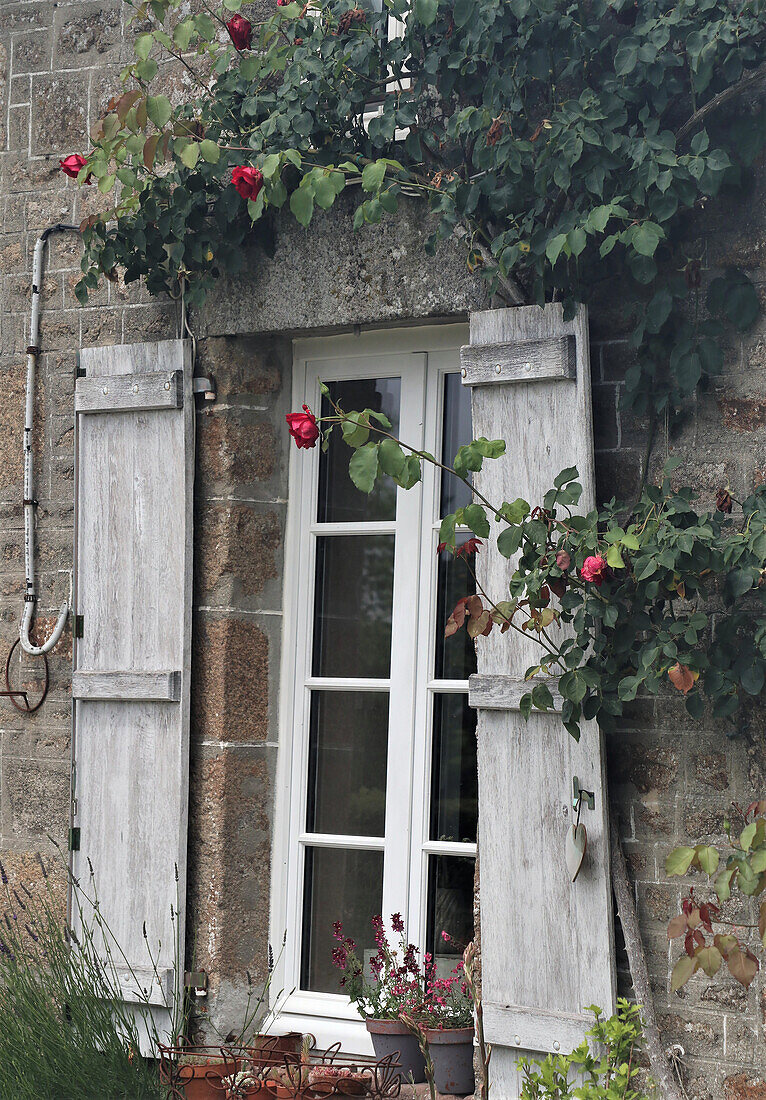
(363, 467)
(190, 154)
(158, 110)
(391, 457)
(302, 205)
(373, 175)
(210, 151)
(708, 859)
(682, 971)
(679, 861)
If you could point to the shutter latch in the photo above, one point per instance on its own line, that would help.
(196, 981)
(79, 626)
(580, 795)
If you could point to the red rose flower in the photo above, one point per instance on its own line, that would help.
(593, 569)
(248, 181)
(241, 32)
(303, 427)
(72, 165)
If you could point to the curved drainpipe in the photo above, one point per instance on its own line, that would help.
(30, 504)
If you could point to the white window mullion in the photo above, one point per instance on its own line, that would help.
(404, 634)
(438, 364)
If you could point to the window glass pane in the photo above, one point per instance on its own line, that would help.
(348, 748)
(339, 885)
(339, 499)
(450, 909)
(454, 780)
(352, 607)
(455, 656)
(456, 431)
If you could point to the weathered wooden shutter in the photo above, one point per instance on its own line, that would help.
(133, 500)
(547, 943)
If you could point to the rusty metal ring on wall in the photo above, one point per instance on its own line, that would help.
(11, 694)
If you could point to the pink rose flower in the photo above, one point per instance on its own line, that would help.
(593, 569)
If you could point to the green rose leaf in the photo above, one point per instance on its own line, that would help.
(363, 467)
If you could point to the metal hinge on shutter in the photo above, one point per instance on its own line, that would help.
(79, 626)
(74, 839)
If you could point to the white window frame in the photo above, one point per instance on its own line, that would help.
(432, 352)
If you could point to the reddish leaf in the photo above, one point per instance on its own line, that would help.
(725, 942)
(682, 678)
(456, 619)
(743, 965)
(677, 926)
(474, 606)
(480, 625)
(694, 918)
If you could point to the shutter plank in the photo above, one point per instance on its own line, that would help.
(535, 360)
(128, 392)
(544, 960)
(155, 687)
(134, 481)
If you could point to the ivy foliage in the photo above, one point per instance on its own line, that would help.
(566, 142)
(653, 595)
(736, 867)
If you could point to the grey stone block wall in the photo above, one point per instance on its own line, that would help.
(672, 779)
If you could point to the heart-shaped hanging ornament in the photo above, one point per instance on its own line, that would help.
(577, 842)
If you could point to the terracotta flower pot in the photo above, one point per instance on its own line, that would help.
(391, 1036)
(280, 1092)
(451, 1051)
(203, 1080)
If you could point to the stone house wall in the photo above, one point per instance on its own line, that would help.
(672, 779)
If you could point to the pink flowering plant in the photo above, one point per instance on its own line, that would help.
(632, 584)
(399, 981)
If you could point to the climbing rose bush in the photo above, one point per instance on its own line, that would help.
(564, 145)
(631, 585)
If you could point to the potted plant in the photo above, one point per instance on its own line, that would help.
(198, 1072)
(394, 987)
(332, 1080)
(244, 1085)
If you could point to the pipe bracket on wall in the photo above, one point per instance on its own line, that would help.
(29, 501)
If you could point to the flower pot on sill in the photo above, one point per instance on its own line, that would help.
(451, 1051)
(203, 1080)
(391, 1036)
(276, 1044)
(281, 1092)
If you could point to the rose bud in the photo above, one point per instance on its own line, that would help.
(303, 427)
(72, 165)
(248, 181)
(593, 569)
(723, 501)
(563, 560)
(241, 32)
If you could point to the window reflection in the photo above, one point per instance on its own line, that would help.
(450, 909)
(454, 779)
(456, 431)
(348, 749)
(455, 656)
(339, 884)
(339, 499)
(352, 606)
